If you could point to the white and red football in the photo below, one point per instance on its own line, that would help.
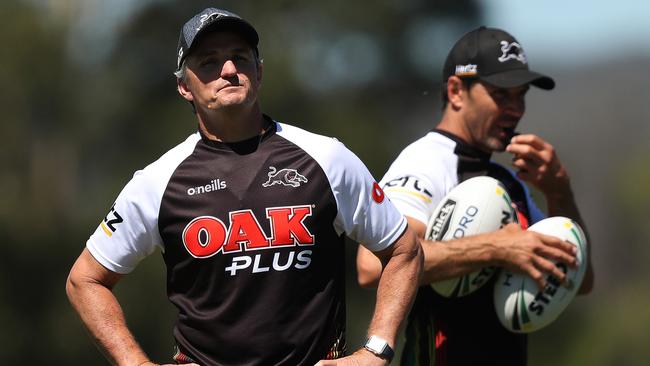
(520, 305)
(477, 205)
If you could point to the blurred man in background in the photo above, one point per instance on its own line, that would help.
(250, 215)
(486, 78)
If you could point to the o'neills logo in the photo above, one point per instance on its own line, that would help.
(441, 223)
(205, 236)
(215, 185)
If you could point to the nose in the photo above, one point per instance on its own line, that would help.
(228, 69)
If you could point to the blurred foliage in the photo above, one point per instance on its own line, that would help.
(76, 128)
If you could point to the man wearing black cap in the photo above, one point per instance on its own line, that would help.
(249, 214)
(486, 77)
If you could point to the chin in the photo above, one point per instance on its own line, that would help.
(225, 103)
(496, 145)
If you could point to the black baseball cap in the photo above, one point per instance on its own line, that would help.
(494, 56)
(213, 18)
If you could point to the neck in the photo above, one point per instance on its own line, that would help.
(451, 122)
(232, 125)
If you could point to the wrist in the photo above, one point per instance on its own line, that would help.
(379, 347)
(560, 190)
(493, 254)
(147, 363)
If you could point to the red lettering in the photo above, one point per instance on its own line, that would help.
(204, 236)
(244, 229)
(288, 227)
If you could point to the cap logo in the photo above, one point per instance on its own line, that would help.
(206, 17)
(512, 51)
(466, 70)
(180, 55)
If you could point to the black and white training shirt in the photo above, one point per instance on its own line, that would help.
(252, 237)
(453, 331)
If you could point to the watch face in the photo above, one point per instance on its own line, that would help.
(376, 344)
(379, 347)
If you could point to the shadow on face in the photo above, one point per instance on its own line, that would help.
(224, 55)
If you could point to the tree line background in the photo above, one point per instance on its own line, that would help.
(85, 104)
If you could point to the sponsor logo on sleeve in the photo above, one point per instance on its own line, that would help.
(109, 223)
(377, 193)
(408, 185)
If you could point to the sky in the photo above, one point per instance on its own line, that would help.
(574, 32)
(577, 30)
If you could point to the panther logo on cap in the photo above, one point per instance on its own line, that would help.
(180, 55)
(512, 51)
(209, 17)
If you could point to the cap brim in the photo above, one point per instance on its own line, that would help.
(515, 78)
(234, 24)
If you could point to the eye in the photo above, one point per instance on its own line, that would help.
(209, 61)
(242, 58)
(523, 92)
(498, 94)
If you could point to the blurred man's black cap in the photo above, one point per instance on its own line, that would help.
(494, 56)
(212, 18)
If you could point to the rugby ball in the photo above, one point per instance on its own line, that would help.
(477, 205)
(520, 305)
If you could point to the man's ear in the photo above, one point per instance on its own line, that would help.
(184, 90)
(455, 92)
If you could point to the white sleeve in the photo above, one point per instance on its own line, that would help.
(129, 232)
(364, 213)
(416, 183)
(413, 195)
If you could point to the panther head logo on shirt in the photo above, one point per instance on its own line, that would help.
(285, 177)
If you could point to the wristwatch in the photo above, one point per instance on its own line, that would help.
(379, 347)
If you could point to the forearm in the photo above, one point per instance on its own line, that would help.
(462, 256)
(561, 202)
(104, 319)
(441, 260)
(89, 288)
(445, 260)
(397, 287)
